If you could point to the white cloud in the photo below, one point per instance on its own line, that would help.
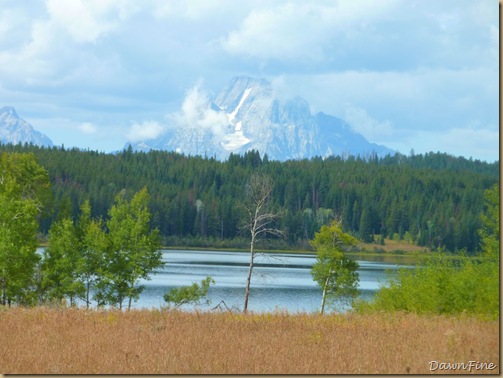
(469, 141)
(194, 9)
(417, 99)
(197, 113)
(87, 128)
(59, 39)
(88, 20)
(146, 130)
(365, 35)
(300, 30)
(6, 24)
(275, 33)
(370, 128)
(78, 19)
(390, 68)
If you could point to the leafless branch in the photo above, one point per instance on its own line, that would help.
(259, 218)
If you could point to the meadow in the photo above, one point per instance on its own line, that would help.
(44, 340)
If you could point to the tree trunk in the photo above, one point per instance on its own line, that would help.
(130, 298)
(4, 292)
(324, 296)
(248, 280)
(88, 288)
(258, 218)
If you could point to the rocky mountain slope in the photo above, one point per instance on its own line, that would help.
(14, 129)
(247, 115)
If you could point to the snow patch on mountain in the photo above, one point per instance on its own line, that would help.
(235, 141)
(231, 117)
(247, 114)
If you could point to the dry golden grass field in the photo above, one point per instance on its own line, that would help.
(74, 341)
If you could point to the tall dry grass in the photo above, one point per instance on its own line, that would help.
(74, 341)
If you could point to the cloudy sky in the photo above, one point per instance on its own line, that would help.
(409, 74)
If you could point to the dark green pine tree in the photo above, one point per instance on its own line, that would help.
(365, 231)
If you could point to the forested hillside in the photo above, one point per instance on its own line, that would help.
(433, 200)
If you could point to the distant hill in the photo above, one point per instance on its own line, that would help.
(433, 200)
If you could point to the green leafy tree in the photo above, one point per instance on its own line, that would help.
(92, 245)
(24, 190)
(490, 231)
(75, 260)
(18, 258)
(61, 263)
(333, 271)
(192, 294)
(490, 241)
(134, 249)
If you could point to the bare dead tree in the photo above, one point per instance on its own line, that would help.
(260, 218)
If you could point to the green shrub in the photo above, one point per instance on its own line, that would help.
(441, 285)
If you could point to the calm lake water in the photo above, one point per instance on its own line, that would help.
(280, 281)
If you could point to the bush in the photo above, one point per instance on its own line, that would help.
(441, 285)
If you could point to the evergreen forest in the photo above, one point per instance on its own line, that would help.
(432, 200)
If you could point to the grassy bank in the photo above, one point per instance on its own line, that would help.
(392, 247)
(395, 252)
(279, 245)
(73, 341)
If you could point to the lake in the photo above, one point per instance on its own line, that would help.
(281, 281)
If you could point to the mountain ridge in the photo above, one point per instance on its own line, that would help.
(15, 130)
(247, 115)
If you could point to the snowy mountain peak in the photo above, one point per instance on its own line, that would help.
(8, 112)
(230, 97)
(247, 115)
(14, 129)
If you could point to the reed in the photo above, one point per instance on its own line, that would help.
(77, 341)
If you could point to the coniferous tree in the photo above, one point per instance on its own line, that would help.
(402, 193)
(365, 231)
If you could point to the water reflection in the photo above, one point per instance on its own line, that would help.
(280, 281)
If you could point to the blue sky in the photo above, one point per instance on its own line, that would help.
(419, 75)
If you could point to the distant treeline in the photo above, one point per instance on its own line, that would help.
(433, 200)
